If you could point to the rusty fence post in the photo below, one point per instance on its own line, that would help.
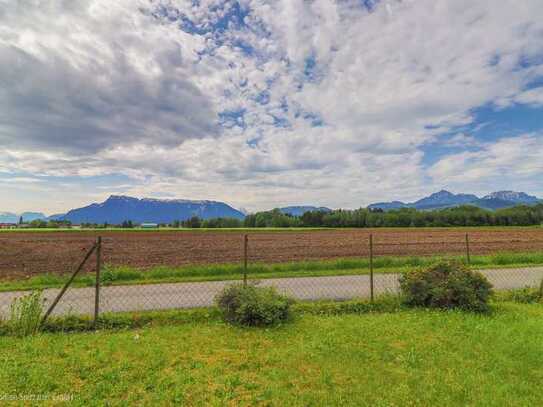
(245, 251)
(468, 255)
(97, 287)
(371, 267)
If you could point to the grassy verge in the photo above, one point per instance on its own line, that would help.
(134, 320)
(352, 266)
(410, 357)
(269, 229)
(142, 319)
(164, 229)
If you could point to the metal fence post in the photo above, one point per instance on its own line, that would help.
(98, 269)
(71, 279)
(245, 250)
(371, 267)
(468, 256)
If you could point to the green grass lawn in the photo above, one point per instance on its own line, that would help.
(347, 266)
(416, 357)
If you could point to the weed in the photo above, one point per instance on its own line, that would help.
(26, 314)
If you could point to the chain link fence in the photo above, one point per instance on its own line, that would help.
(312, 265)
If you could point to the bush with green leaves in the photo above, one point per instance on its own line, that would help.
(253, 306)
(446, 285)
(26, 314)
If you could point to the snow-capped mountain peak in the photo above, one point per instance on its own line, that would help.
(512, 196)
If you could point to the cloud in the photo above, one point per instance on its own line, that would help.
(461, 140)
(260, 102)
(510, 160)
(532, 97)
(82, 76)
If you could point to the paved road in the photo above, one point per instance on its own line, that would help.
(189, 295)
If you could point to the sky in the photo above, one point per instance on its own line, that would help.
(268, 103)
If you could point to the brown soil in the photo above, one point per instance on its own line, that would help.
(25, 254)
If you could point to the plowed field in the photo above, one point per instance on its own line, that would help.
(26, 254)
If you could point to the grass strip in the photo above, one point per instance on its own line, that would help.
(142, 319)
(125, 275)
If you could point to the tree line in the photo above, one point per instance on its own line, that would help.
(467, 215)
(47, 224)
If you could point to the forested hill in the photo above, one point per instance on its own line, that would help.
(522, 215)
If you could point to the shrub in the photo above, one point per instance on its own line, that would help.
(26, 314)
(447, 285)
(253, 306)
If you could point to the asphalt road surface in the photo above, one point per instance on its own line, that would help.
(80, 301)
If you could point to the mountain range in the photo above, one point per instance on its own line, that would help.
(117, 209)
(446, 199)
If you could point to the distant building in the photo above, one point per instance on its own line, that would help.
(8, 226)
(149, 226)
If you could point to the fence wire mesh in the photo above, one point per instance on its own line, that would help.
(188, 269)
